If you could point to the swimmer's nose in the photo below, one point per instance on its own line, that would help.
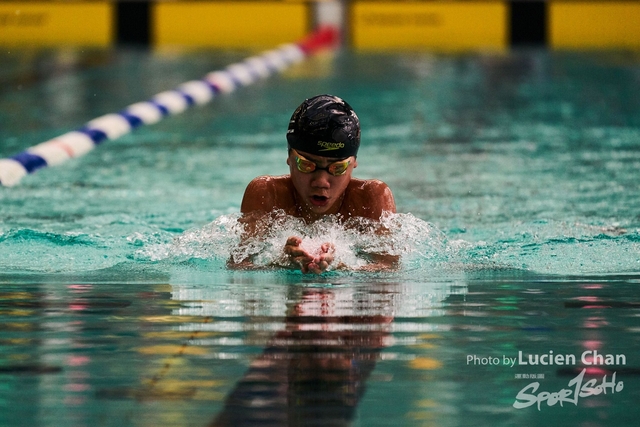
(321, 179)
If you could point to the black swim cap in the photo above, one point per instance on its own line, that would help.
(325, 125)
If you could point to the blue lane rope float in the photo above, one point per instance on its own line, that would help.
(196, 92)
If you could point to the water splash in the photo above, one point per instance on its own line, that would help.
(545, 247)
(541, 247)
(416, 242)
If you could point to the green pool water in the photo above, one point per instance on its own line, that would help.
(515, 177)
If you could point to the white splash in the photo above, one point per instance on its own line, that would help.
(411, 238)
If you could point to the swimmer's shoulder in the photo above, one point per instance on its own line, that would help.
(270, 182)
(368, 188)
(370, 198)
(266, 193)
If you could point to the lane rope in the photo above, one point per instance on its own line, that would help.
(168, 103)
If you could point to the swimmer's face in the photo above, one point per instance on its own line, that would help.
(319, 192)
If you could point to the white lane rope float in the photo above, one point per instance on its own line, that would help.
(196, 92)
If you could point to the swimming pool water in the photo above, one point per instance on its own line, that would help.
(516, 180)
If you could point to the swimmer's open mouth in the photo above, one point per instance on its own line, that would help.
(319, 200)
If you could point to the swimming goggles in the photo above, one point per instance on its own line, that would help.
(307, 166)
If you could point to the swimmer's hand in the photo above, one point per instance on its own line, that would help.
(307, 262)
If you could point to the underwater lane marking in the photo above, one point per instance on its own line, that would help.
(153, 383)
(163, 387)
(170, 102)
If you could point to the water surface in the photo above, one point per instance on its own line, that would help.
(515, 176)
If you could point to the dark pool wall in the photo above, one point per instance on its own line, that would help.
(133, 23)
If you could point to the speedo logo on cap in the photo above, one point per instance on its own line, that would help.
(330, 146)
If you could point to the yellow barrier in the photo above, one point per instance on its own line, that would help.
(448, 26)
(594, 25)
(56, 24)
(229, 24)
(441, 25)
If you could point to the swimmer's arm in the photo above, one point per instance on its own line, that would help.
(371, 199)
(381, 202)
(254, 224)
(261, 196)
(245, 263)
(265, 195)
(293, 257)
(376, 200)
(381, 262)
(300, 259)
(258, 197)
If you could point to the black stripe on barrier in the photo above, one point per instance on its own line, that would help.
(133, 22)
(527, 23)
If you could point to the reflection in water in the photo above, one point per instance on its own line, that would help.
(314, 371)
(57, 346)
(266, 350)
(292, 353)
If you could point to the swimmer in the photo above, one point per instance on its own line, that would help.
(323, 140)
